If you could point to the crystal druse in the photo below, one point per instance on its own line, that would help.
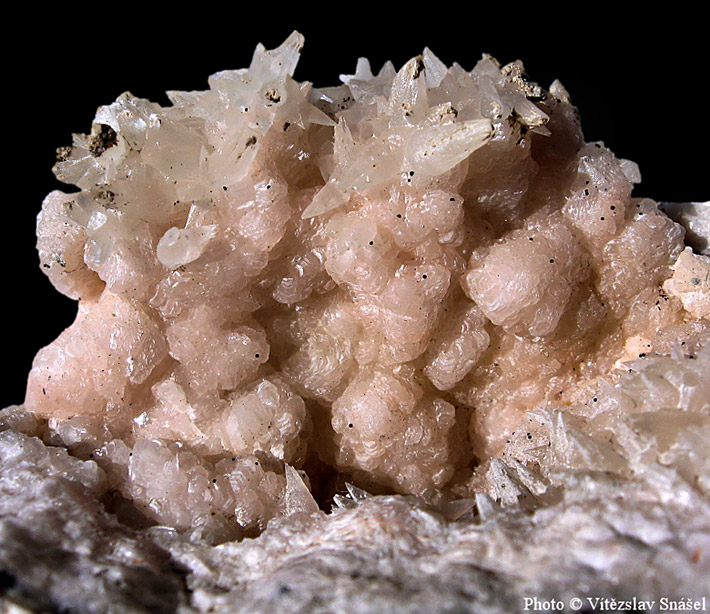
(421, 284)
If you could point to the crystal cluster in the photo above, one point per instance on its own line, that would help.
(283, 288)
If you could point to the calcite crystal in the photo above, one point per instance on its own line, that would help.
(421, 282)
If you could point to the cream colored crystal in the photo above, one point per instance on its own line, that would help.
(690, 282)
(374, 283)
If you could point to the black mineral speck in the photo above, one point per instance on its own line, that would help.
(102, 138)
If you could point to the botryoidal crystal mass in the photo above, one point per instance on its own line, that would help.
(407, 342)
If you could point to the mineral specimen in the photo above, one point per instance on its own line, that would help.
(422, 283)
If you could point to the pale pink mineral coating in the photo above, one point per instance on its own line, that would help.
(370, 283)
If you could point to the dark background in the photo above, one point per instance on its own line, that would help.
(640, 85)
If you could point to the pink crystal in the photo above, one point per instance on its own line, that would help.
(282, 286)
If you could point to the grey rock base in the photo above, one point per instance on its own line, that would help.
(60, 551)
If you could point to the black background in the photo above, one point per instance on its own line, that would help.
(640, 82)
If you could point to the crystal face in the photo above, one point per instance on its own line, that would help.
(284, 288)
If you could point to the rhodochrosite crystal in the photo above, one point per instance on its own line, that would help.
(420, 282)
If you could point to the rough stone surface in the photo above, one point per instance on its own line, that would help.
(421, 284)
